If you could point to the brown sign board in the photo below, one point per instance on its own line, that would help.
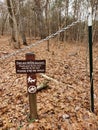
(29, 66)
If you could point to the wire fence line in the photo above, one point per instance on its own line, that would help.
(41, 41)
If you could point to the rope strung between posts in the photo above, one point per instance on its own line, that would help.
(41, 41)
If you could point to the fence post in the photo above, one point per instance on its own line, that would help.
(91, 57)
(32, 88)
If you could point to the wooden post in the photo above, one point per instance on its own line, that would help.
(30, 66)
(32, 88)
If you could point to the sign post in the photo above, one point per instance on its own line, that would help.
(91, 56)
(30, 66)
(32, 88)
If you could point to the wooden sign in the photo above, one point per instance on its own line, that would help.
(30, 66)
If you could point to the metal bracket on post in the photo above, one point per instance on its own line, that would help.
(90, 56)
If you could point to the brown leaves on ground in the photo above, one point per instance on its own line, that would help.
(64, 105)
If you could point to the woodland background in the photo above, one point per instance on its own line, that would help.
(39, 18)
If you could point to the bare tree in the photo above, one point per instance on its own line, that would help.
(3, 17)
(39, 11)
(13, 23)
(47, 8)
(22, 20)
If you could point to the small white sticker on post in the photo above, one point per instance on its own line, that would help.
(30, 80)
(32, 89)
(90, 16)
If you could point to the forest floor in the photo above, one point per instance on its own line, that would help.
(65, 105)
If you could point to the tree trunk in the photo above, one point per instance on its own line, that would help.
(24, 38)
(3, 24)
(35, 26)
(47, 24)
(39, 12)
(17, 43)
(11, 20)
(22, 31)
(13, 24)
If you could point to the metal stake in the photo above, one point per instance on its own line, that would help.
(91, 57)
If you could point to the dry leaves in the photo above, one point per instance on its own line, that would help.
(64, 106)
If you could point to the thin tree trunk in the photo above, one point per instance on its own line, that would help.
(39, 12)
(47, 24)
(35, 26)
(23, 36)
(3, 24)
